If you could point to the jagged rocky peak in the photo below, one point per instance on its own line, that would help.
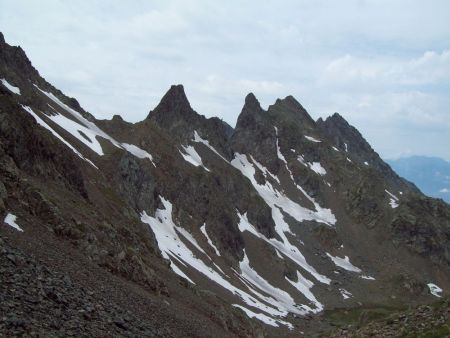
(117, 118)
(175, 115)
(15, 63)
(255, 133)
(343, 135)
(251, 113)
(337, 123)
(174, 102)
(292, 111)
(350, 141)
(251, 103)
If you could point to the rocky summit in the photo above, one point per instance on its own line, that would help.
(182, 226)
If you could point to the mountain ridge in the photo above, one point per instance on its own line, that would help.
(275, 220)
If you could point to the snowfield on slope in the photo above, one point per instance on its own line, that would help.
(84, 130)
(284, 247)
(278, 200)
(59, 137)
(272, 302)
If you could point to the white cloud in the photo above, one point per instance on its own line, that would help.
(349, 69)
(445, 190)
(369, 60)
(429, 68)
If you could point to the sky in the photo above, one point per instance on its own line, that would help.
(383, 65)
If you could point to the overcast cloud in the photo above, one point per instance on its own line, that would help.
(383, 65)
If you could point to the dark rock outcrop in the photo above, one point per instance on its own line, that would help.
(175, 115)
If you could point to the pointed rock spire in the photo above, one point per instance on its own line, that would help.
(174, 102)
(291, 108)
(251, 112)
(175, 115)
(252, 103)
(255, 133)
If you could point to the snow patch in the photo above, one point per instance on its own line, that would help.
(393, 201)
(335, 149)
(198, 139)
(317, 167)
(304, 286)
(10, 219)
(277, 298)
(264, 170)
(138, 152)
(435, 290)
(314, 166)
(344, 263)
(312, 139)
(302, 160)
(88, 128)
(46, 126)
(174, 249)
(190, 155)
(279, 153)
(262, 317)
(10, 87)
(75, 128)
(278, 254)
(366, 163)
(367, 277)
(85, 122)
(278, 200)
(210, 242)
(284, 246)
(345, 294)
(280, 203)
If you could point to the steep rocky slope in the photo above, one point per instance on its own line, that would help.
(277, 220)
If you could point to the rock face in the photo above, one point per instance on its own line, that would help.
(277, 219)
(175, 115)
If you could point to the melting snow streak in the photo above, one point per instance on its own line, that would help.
(10, 87)
(393, 201)
(190, 155)
(344, 263)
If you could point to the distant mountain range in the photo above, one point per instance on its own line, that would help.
(430, 174)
